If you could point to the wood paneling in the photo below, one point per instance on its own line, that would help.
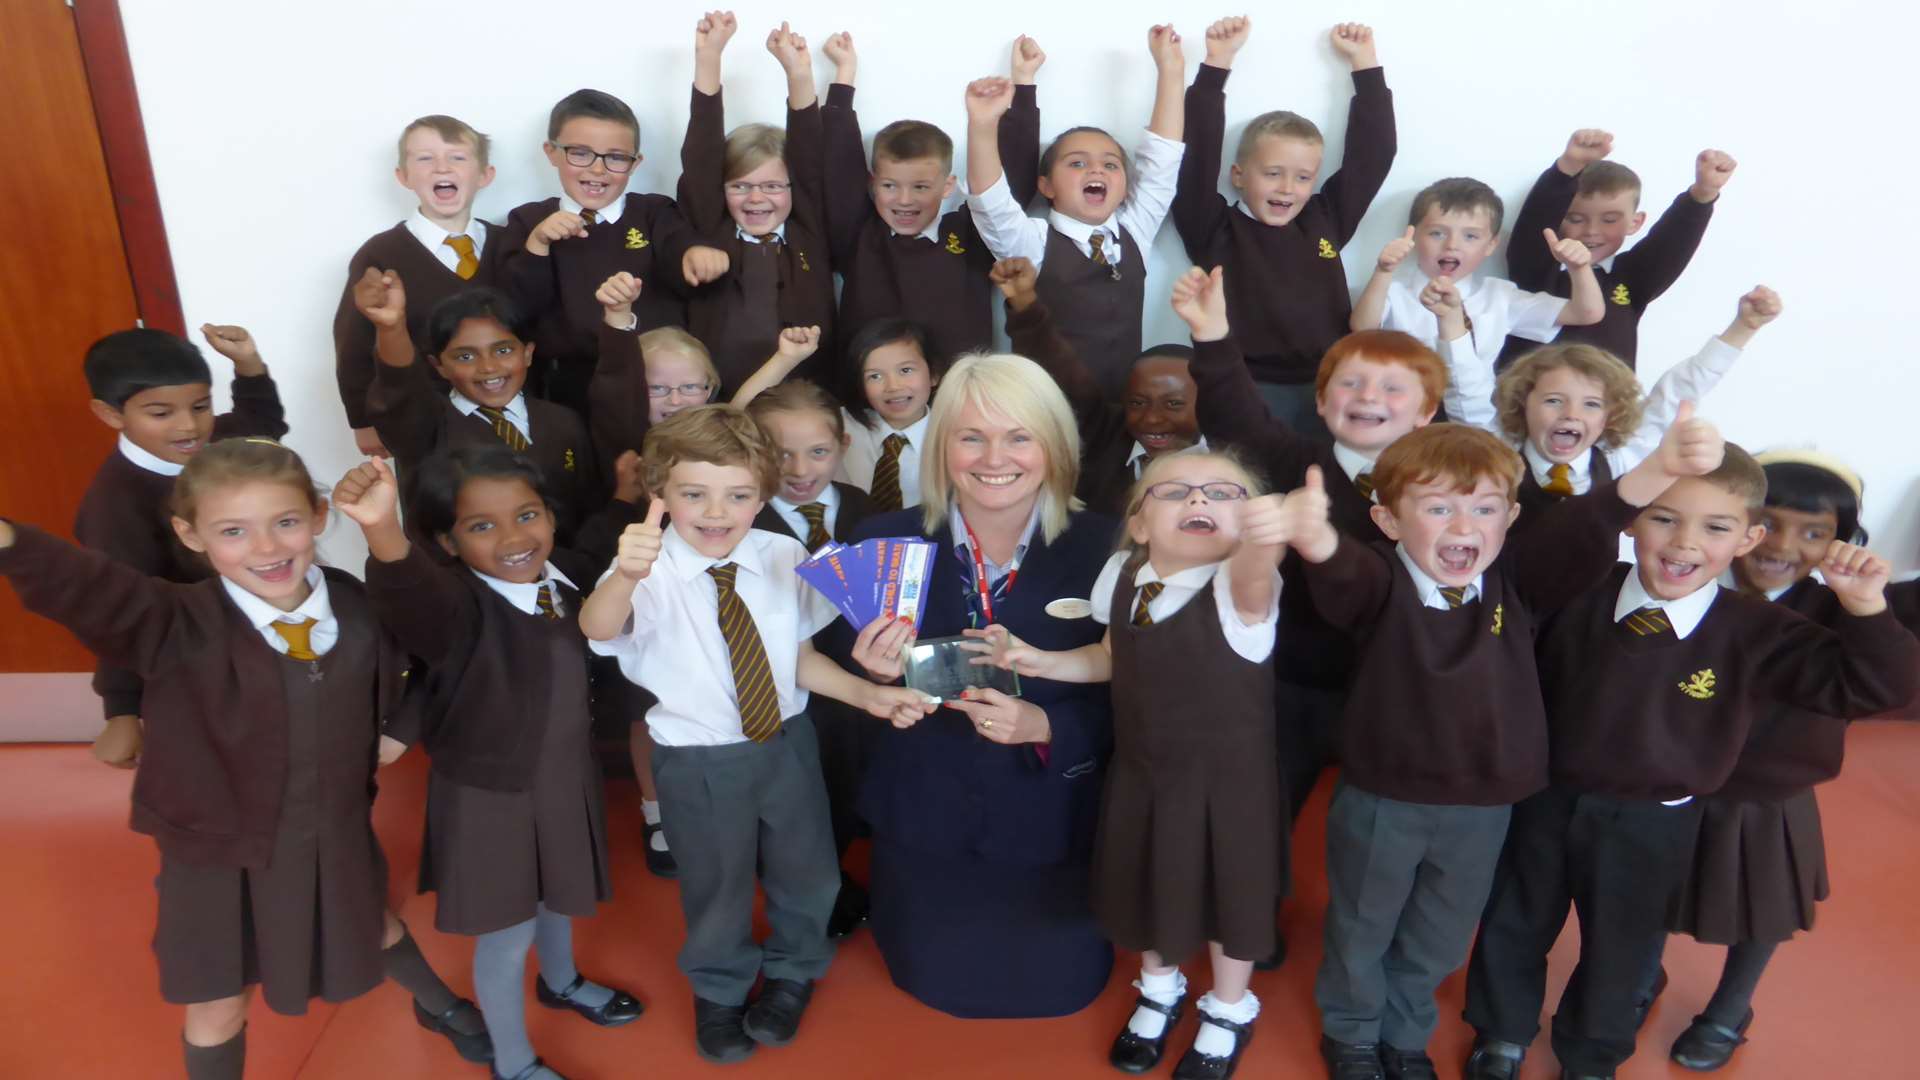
(64, 282)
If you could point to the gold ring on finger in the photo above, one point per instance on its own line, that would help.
(986, 725)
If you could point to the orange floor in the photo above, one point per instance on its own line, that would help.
(80, 997)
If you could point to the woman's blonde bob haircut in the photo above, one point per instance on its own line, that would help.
(1021, 392)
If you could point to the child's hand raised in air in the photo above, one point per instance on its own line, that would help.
(796, 343)
(1692, 446)
(1354, 43)
(1858, 577)
(1018, 281)
(1758, 308)
(1028, 58)
(617, 295)
(1265, 523)
(1225, 39)
(1711, 171)
(555, 227)
(234, 343)
(1584, 147)
(1163, 42)
(1309, 526)
(713, 31)
(791, 50)
(380, 297)
(640, 544)
(702, 264)
(1395, 252)
(1200, 299)
(1572, 253)
(368, 494)
(989, 99)
(846, 62)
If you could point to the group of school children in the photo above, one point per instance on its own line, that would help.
(1522, 723)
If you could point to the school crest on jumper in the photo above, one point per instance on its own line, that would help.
(569, 463)
(636, 240)
(1326, 249)
(803, 260)
(1620, 295)
(953, 244)
(1499, 618)
(1699, 685)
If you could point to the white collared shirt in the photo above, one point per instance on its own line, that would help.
(865, 446)
(1496, 306)
(1011, 233)
(433, 237)
(325, 631)
(516, 411)
(779, 233)
(607, 214)
(137, 454)
(525, 595)
(1351, 461)
(957, 526)
(672, 643)
(1137, 460)
(1429, 589)
(1254, 643)
(790, 512)
(1684, 614)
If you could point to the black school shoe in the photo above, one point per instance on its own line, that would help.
(1136, 1053)
(1351, 1061)
(1195, 1065)
(1406, 1064)
(1706, 1045)
(475, 1048)
(1493, 1059)
(850, 909)
(774, 1017)
(622, 1008)
(718, 1032)
(659, 863)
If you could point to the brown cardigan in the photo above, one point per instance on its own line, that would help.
(215, 761)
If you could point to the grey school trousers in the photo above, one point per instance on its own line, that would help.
(739, 812)
(1405, 886)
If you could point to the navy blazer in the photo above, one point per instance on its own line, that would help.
(939, 786)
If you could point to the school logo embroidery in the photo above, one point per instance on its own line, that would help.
(953, 244)
(1620, 295)
(1499, 618)
(803, 260)
(1326, 249)
(569, 465)
(636, 240)
(1699, 686)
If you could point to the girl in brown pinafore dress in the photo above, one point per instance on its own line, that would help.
(266, 687)
(516, 842)
(1189, 850)
(1760, 860)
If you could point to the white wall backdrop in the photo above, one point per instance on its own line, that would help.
(272, 128)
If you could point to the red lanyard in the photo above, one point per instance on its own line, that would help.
(980, 583)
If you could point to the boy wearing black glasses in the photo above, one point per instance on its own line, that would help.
(559, 250)
(756, 193)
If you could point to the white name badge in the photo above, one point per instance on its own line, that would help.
(1070, 607)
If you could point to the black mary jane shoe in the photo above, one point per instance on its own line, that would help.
(475, 1048)
(1136, 1053)
(1494, 1059)
(1406, 1064)
(850, 909)
(774, 1017)
(719, 1033)
(622, 1008)
(1706, 1045)
(1194, 1065)
(659, 863)
(530, 1072)
(1351, 1061)
(1643, 1006)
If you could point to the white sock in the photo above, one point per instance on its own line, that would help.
(650, 810)
(1216, 1041)
(1167, 990)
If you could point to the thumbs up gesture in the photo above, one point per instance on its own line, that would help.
(1572, 253)
(1308, 527)
(640, 544)
(1395, 252)
(1692, 446)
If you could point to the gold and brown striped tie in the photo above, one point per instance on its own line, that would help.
(469, 262)
(299, 638)
(1648, 621)
(1454, 595)
(886, 475)
(1559, 481)
(1363, 483)
(1098, 242)
(589, 216)
(544, 601)
(1148, 593)
(752, 677)
(816, 515)
(503, 427)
